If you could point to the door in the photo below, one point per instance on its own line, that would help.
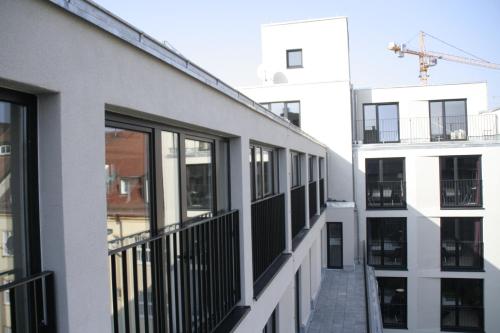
(334, 244)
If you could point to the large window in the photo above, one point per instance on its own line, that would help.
(263, 171)
(294, 58)
(185, 176)
(461, 243)
(393, 301)
(288, 110)
(385, 183)
(461, 184)
(387, 242)
(448, 120)
(271, 326)
(462, 305)
(295, 173)
(381, 122)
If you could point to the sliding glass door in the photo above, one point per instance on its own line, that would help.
(334, 244)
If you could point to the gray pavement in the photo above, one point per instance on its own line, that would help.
(340, 307)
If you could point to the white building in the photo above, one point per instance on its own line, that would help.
(423, 165)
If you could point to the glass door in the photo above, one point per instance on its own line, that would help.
(334, 239)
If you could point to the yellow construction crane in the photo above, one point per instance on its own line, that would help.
(428, 59)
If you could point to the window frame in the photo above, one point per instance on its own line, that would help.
(381, 179)
(404, 254)
(274, 174)
(378, 123)
(457, 267)
(380, 292)
(443, 116)
(295, 179)
(457, 306)
(267, 106)
(288, 52)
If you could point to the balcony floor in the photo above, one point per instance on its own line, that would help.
(340, 307)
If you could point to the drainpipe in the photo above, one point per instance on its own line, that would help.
(354, 100)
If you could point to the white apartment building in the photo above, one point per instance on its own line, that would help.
(423, 164)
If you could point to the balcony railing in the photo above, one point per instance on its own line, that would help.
(313, 200)
(387, 254)
(183, 280)
(373, 311)
(461, 193)
(461, 255)
(480, 127)
(298, 197)
(322, 202)
(268, 232)
(30, 303)
(386, 194)
(462, 318)
(394, 315)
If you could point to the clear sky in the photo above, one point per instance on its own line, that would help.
(223, 36)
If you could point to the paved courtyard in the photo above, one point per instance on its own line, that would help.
(341, 303)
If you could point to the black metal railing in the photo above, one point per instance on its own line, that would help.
(394, 315)
(322, 201)
(31, 304)
(461, 255)
(386, 194)
(461, 193)
(298, 209)
(183, 280)
(387, 254)
(313, 200)
(462, 318)
(268, 232)
(427, 129)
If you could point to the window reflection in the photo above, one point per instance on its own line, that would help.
(127, 180)
(199, 182)
(170, 169)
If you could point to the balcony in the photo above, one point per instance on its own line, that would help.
(387, 254)
(298, 197)
(462, 193)
(385, 194)
(313, 200)
(461, 255)
(268, 237)
(482, 127)
(185, 279)
(29, 304)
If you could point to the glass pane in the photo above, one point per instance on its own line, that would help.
(370, 123)
(258, 173)
(388, 123)
(223, 176)
(436, 121)
(294, 58)
(170, 171)
(334, 244)
(455, 119)
(127, 179)
(393, 169)
(278, 109)
(252, 172)
(293, 109)
(199, 181)
(267, 160)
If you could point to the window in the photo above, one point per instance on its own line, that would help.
(311, 168)
(393, 301)
(294, 58)
(381, 123)
(448, 120)
(4, 150)
(387, 242)
(461, 243)
(263, 171)
(271, 326)
(297, 301)
(462, 305)
(461, 184)
(321, 171)
(295, 172)
(198, 159)
(385, 183)
(288, 110)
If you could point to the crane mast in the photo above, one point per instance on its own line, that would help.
(429, 59)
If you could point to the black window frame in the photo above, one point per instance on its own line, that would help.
(267, 105)
(457, 306)
(377, 139)
(274, 174)
(442, 162)
(457, 266)
(403, 205)
(116, 120)
(31, 204)
(332, 225)
(443, 116)
(288, 66)
(404, 251)
(381, 286)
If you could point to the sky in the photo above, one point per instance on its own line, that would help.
(223, 36)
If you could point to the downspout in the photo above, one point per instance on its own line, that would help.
(354, 100)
